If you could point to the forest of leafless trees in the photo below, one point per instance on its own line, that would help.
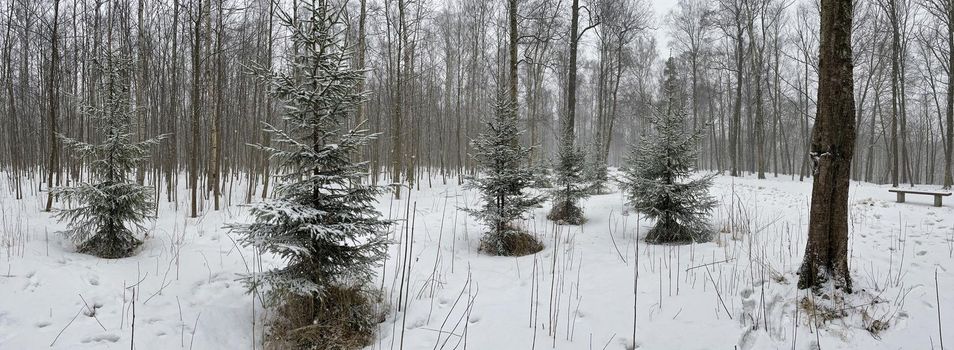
(433, 69)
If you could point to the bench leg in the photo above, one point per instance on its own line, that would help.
(900, 197)
(937, 201)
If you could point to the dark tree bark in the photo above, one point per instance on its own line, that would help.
(54, 165)
(397, 149)
(196, 75)
(833, 139)
(949, 147)
(172, 169)
(736, 128)
(895, 71)
(570, 120)
(512, 84)
(756, 51)
(14, 144)
(269, 107)
(142, 102)
(218, 111)
(361, 52)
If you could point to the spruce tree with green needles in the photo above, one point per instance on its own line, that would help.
(322, 221)
(597, 174)
(111, 207)
(570, 185)
(659, 177)
(504, 177)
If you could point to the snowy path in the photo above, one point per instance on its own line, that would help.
(735, 292)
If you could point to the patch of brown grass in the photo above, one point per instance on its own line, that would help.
(566, 213)
(874, 325)
(511, 243)
(823, 312)
(344, 319)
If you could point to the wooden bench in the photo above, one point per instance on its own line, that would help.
(937, 195)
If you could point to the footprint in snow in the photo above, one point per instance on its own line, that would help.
(418, 323)
(629, 344)
(107, 338)
(32, 282)
(91, 313)
(92, 279)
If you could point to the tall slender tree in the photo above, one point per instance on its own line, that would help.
(196, 107)
(53, 96)
(512, 54)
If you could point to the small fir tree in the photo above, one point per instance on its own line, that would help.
(541, 173)
(659, 179)
(111, 207)
(502, 183)
(569, 188)
(322, 221)
(597, 174)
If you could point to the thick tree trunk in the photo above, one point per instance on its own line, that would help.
(833, 138)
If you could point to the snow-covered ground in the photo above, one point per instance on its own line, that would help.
(737, 292)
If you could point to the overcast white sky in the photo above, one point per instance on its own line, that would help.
(662, 8)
